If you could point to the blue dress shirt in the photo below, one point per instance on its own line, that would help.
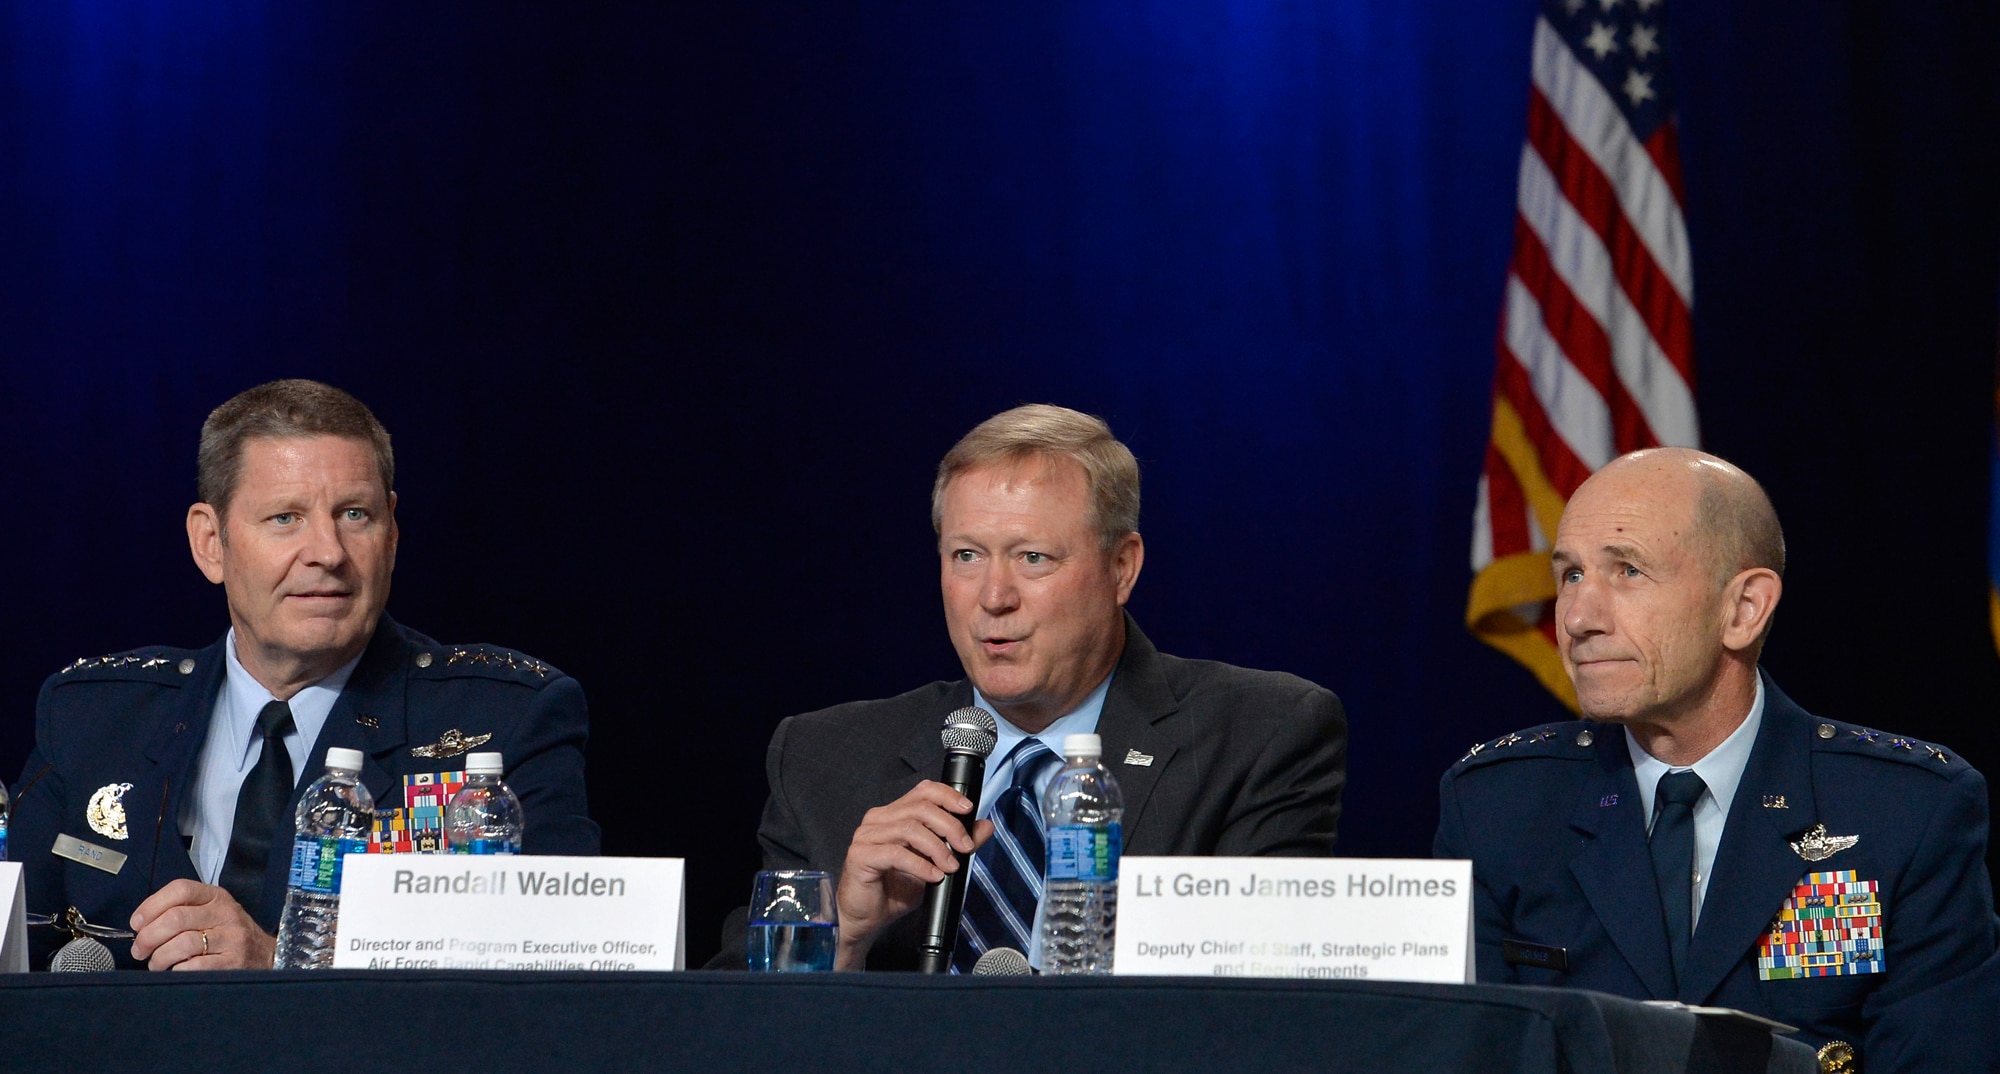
(1722, 770)
(232, 748)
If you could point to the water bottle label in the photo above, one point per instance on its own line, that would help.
(483, 846)
(3, 842)
(1083, 852)
(316, 862)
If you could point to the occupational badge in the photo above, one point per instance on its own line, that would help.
(450, 744)
(1830, 926)
(106, 811)
(1816, 845)
(1836, 1057)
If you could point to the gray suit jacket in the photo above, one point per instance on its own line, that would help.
(1243, 763)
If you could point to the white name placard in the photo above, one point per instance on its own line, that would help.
(13, 919)
(1362, 919)
(510, 912)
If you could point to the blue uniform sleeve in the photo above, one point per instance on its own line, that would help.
(1939, 940)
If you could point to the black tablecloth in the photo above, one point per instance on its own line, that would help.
(458, 1022)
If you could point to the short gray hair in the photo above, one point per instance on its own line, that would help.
(1042, 431)
(282, 409)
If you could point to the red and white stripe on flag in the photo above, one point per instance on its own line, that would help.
(1595, 358)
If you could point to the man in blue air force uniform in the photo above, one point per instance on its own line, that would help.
(161, 790)
(1699, 837)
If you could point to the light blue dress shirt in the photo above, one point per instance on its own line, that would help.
(1081, 720)
(1722, 770)
(232, 748)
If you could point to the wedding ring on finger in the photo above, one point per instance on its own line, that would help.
(204, 941)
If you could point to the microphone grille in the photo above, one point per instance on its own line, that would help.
(82, 955)
(1001, 962)
(971, 730)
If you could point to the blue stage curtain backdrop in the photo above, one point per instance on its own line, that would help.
(673, 308)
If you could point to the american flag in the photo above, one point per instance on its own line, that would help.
(1595, 357)
(1993, 521)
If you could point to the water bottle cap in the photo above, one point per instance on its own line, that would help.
(343, 758)
(483, 764)
(1083, 746)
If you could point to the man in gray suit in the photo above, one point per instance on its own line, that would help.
(1037, 512)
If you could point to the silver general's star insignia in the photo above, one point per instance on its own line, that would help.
(1543, 735)
(1507, 740)
(106, 811)
(1473, 752)
(1816, 845)
(1939, 754)
(450, 744)
(1865, 735)
(511, 661)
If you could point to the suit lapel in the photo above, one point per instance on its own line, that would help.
(1616, 870)
(1138, 700)
(370, 715)
(1754, 867)
(923, 745)
(175, 749)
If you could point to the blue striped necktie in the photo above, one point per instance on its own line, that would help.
(1006, 882)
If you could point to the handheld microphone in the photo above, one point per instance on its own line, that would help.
(969, 735)
(1001, 962)
(82, 955)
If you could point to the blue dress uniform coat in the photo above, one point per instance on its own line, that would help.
(140, 718)
(1551, 819)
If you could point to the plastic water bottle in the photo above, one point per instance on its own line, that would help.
(6, 810)
(484, 817)
(333, 820)
(1082, 810)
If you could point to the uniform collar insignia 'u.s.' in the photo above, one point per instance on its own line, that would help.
(450, 744)
(1816, 845)
(106, 811)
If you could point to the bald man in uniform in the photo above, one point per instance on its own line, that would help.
(1698, 836)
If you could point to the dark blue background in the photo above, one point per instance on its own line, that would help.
(672, 310)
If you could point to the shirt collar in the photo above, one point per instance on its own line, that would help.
(243, 697)
(1081, 720)
(1722, 769)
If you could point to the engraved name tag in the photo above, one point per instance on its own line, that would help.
(97, 857)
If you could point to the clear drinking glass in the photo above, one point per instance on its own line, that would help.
(793, 927)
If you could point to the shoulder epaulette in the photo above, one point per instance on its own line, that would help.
(1562, 741)
(483, 661)
(155, 664)
(1836, 736)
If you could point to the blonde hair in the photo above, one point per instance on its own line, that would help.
(1043, 431)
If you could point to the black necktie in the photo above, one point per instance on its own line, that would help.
(1672, 844)
(260, 809)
